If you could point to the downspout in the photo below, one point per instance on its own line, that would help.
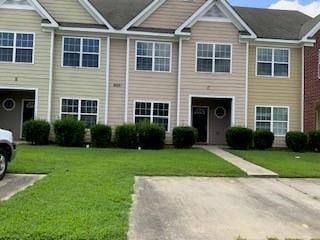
(127, 81)
(247, 86)
(179, 82)
(50, 76)
(302, 90)
(107, 81)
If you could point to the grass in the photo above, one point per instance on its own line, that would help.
(88, 192)
(285, 163)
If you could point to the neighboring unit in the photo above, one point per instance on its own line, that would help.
(172, 62)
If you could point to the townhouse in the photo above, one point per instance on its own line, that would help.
(202, 63)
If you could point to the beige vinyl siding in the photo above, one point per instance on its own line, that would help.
(85, 83)
(276, 91)
(117, 81)
(28, 75)
(211, 84)
(153, 86)
(172, 14)
(67, 11)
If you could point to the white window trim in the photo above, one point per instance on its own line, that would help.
(214, 58)
(79, 107)
(273, 62)
(153, 56)
(151, 113)
(271, 121)
(81, 52)
(14, 47)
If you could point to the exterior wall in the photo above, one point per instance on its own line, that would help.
(12, 120)
(217, 127)
(312, 86)
(67, 11)
(117, 81)
(86, 83)
(172, 14)
(13, 75)
(276, 91)
(153, 86)
(210, 84)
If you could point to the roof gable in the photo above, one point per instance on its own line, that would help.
(216, 10)
(29, 5)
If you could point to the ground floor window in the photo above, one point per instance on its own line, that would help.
(82, 109)
(275, 119)
(154, 112)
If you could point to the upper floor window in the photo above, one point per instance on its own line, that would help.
(16, 47)
(273, 62)
(85, 110)
(274, 119)
(81, 52)
(153, 56)
(153, 112)
(214, 58)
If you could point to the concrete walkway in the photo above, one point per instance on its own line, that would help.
(251, 169)
(14, 183)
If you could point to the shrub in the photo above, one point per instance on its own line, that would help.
(184, 137)
(126, 136)
(239, 138)
(263, 139)
(37, 132)
(314, 140)
(151, 136)
(101, 136)
(69, 132)
(296, 141)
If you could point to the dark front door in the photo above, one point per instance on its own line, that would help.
(27, 111)
(200, 122)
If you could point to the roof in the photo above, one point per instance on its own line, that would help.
(308, 26)
(274, 24)
(120, 12)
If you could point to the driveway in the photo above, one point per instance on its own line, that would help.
(225, 208)
(14, 183)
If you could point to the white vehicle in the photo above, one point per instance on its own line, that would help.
(7, 151)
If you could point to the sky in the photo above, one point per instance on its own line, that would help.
(309, 7)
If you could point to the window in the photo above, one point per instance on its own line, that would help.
(16, 47)
(81, 109)
(273, 62)
(275, 119)
(81, 52)
(215, 58)
(153, 56)
(154, 112)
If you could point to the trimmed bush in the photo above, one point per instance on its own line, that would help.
(37, 132)
(184, 137)
(101, 136)
(263, 139)
(126, 136)
(314, 141)
(239, 138)
(151, 136)
(296, 141)
(69, 132)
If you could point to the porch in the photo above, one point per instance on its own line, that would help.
(16, 107)
(211, 117)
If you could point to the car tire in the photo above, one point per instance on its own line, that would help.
(3, 164)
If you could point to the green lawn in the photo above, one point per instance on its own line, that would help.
(285, 163)
(87, 193)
